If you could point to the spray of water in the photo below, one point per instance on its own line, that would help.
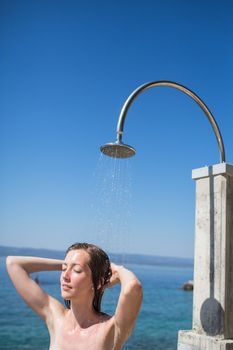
(111, 205)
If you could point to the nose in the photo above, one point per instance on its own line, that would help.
(66, 275)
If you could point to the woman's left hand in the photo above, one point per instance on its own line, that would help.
(115, 277)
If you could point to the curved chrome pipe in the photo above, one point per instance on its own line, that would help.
(138, 91)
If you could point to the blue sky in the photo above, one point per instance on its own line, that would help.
(66, 69)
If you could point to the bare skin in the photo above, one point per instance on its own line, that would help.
(81, 327)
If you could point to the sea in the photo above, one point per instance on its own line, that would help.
(166, 307)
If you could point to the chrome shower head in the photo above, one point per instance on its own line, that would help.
(118, 150)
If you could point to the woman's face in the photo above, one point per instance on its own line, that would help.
(76, 277)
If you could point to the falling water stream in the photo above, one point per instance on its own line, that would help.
(111, 205)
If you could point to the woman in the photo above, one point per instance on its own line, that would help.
(86, 272)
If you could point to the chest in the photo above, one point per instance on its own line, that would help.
(98, 337)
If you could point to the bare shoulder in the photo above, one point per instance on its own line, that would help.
(109, 337)
(57, 313)
(112, 333)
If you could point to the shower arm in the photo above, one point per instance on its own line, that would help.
(142, 88)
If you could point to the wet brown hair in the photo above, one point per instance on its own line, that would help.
(99, 265)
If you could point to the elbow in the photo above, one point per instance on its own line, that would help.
(134, 288)
(10, 261)
(138, 289)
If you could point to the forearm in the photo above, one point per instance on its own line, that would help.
(33, 264)
(126, 278)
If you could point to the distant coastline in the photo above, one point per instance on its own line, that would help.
(139, 259)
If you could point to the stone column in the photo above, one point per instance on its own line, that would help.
(212, 327)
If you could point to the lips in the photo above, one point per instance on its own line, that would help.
(66, 287)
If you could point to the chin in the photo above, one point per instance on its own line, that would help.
(65, 294)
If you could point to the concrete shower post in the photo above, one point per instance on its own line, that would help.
(212, 327)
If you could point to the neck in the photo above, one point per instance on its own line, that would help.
(83, 314)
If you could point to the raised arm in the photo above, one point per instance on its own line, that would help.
(19, 269)
(129, 302)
